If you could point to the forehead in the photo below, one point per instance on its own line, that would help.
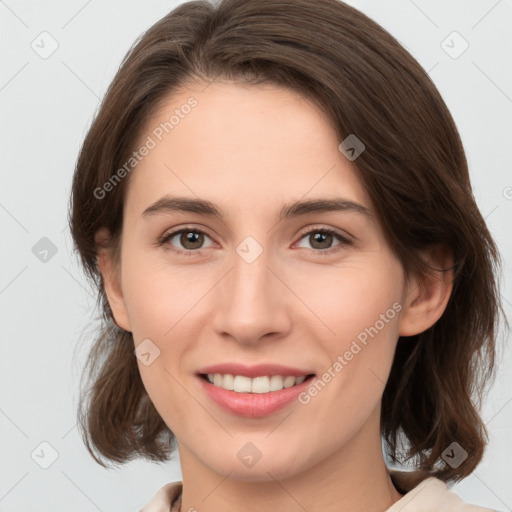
(241, 145)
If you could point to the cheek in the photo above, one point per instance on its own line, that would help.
(163, 305)
(158, 296)
(173, 402)
(352, 297)
(359, 306)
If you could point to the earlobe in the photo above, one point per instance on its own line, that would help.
(427, 296)
(111, 280)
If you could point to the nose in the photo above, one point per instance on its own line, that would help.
(252, 300)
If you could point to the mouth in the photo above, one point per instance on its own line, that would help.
(253, 397)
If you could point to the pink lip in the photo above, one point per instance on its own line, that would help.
(253, 405)
(255, 370)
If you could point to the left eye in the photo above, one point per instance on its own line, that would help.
(323, 237)
(193, 239)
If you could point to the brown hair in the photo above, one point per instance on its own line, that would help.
(413, 168)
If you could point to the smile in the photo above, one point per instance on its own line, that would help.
(253, 397)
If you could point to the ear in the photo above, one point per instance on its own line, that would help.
(427, 295)
(111, 279)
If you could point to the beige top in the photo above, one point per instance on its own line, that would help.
(431, 495)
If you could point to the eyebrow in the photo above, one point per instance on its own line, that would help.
(169, 204)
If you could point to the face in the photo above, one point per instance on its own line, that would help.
(314, 292)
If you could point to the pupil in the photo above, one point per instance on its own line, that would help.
(192, 238)
(319, 237)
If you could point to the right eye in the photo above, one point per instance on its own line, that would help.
(191, 239)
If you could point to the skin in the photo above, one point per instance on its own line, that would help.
(251, 149)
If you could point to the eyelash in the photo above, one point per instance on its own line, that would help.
(344, 241)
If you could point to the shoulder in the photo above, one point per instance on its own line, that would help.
(163, 498)
(433, 495)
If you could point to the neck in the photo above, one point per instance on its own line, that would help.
(353, 478)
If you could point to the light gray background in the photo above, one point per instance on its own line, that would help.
(47, 106)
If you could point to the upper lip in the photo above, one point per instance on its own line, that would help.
(254, 370)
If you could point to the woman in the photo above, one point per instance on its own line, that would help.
(275, 206)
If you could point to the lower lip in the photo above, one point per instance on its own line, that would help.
(253, 405)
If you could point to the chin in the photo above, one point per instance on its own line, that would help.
(255, 474)
(276, 466)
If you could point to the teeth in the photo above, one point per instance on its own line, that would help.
(264, 384)
(300, 380)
